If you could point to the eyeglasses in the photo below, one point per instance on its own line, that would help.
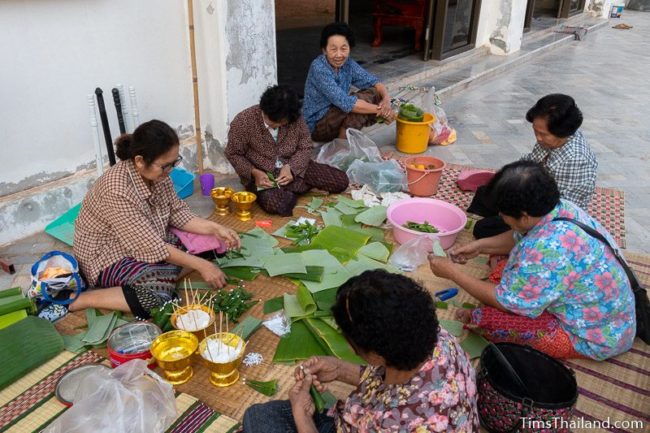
(169, 166)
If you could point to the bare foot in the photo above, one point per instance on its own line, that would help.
(464, 315)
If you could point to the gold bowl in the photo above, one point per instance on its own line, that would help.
(173, 352)
(224, 373)
(243, 202)
(199, 333)
(221, 198)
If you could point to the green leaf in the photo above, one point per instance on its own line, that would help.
(268, 388)
(325, 299)
(74, 343)
(375, 216)
(273, 305)
(442, 305)
(331, 217)
(356, 204)
(299, 305)
(242, 272)
(280, 264)
(474, 344)
(339, 238)
(334, 340)
(376, 251)
(247, 327)
(314, 273)
(345, 209)
(454, 327)
(100, 330)
(314, 204)
(299, 344)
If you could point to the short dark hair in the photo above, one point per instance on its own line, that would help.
(563, 117)
(338, 28)
(149, 140)
(523, 186)
(281, 102)
(390, 315)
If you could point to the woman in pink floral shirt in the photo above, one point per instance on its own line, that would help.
(418, 378)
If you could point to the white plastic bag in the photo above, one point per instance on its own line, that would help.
(442, 133)
(128, 399)
(341, 153)
(384, 176)
(411, 254)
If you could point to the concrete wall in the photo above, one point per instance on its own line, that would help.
(501, 25)
(56, 52)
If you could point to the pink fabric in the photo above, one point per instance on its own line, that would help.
(197, 244)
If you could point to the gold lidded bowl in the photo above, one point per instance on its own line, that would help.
(222, 354)
(173, 352)
(221, 198)
(243, 202)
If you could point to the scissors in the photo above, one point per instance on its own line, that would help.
(449, 293)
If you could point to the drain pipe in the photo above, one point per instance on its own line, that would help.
(99, 159)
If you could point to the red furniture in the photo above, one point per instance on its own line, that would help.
(407, 13)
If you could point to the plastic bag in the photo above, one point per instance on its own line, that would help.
(128, 399)
(52, 273)
(411, 254)
(385, 176)
(342, 153)
(441, 132)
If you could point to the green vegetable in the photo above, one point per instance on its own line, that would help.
(424, 227)
(303, 233)
(233, 302)
(410, 113)
(267, 388)
(273, 180)
(26, 345)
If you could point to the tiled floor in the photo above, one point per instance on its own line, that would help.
(605, 73)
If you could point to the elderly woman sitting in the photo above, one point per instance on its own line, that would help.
(562, 291)
(418, 378)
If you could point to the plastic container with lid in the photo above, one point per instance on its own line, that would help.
(67, 385)
(132, 341)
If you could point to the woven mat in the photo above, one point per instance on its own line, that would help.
(616, 388)
(29, 404)
(607, 205)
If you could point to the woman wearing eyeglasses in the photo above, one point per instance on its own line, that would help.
(122, 239)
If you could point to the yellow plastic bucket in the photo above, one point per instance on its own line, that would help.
(413, 137)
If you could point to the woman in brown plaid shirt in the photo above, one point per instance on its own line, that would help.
(273, 138)
(121, 238)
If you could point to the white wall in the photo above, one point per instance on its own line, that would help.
(56, 52)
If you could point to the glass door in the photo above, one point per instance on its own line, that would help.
(453, 29)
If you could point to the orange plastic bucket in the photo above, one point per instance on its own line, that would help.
(423, 174)
(413, 137)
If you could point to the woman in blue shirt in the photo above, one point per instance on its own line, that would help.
(329, 108)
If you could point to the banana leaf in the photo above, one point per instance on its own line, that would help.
(13, 303)
(314, 273)
(363, 263)
(336, 239)
(314, 204)
(325, 299)
(454, 327)
(330, 321)
(375, 216)
(242, 272)
(247, 327)
(246, 261)
(334, 340)
(282, 231)
(322, 401)
(356, 204)
(268, 388)
(334, 273)
(299, 344)
(376, 251)
(11, 292)
(280, 264)
(331, 217)
(437, 249)
(273, 305)
(474, 344)
(299, 305)
(346, 210)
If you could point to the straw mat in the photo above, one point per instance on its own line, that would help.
(29, 404)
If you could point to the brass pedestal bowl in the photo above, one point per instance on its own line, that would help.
(243, 202)
(173, 352)
(222, 354)
(221, 198)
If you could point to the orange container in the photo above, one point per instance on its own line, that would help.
(423, 174)
(413, 137)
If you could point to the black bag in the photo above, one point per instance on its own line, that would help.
(521, 389)
(641, 302)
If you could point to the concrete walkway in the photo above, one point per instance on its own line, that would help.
(604, 73)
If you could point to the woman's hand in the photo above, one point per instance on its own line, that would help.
(212, 275)
(464, 253)
(285, 177)
(261, 179)
(229, 236)
(301, 401)
(321, 369)
(385, 110)
(442, 267)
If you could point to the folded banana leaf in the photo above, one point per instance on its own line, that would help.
(247, 327)
(299, 344)
(299, 305)
(322, 400)
(325, 299)
(273, 305)
(242, 272)
(11, 292)
(334, 340)
(376, 251)
(375, 216)
(334, 273)
(280, 264)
